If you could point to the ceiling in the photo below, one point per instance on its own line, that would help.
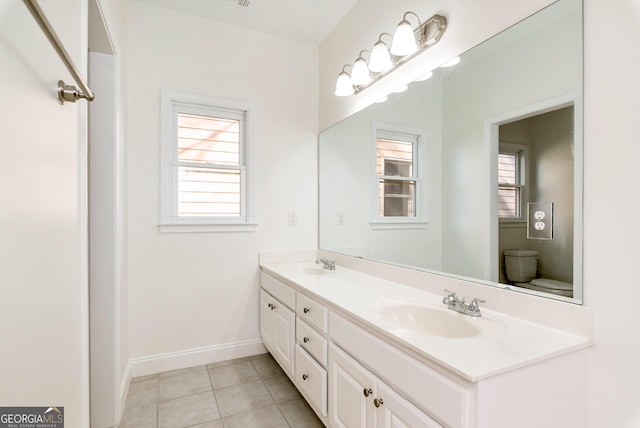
(307, 21)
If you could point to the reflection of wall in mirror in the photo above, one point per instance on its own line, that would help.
(503, 75)
(346, 168)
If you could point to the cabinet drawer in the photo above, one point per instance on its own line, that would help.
(312, 380)
(279, 290)
(312, 312)
(312, 341)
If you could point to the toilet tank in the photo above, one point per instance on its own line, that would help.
(521, 265)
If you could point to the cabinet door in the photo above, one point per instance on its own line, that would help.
(284, 336)
(266, 319)
(351, 392)
(396, 412)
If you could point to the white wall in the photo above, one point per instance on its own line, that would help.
(611, 177)
(195, 296)
(43, 258)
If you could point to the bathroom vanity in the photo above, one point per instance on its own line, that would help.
(368, 351)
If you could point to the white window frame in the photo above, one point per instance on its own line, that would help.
(522, 153)
(418, 137)
(173, 103)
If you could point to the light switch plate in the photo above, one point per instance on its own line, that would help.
(540, 220)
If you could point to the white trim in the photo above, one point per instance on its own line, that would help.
(170, 222)
(194, 357)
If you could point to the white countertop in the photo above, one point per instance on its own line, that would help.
(504, 343)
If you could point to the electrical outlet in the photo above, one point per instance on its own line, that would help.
(293, 219)
(540, 220)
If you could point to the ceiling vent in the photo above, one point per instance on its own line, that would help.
(239, 3)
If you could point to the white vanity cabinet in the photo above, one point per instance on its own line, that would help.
(360, 399)
(277, 321)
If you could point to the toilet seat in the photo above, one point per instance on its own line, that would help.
(548, 286)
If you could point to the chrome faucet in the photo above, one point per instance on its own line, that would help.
(326, 263)
(460, 305)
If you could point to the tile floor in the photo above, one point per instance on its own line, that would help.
(242, 393)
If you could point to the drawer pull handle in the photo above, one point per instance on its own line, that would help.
(306, 310)
(305, 376)
(306, 339)
(367, 391)
(378, 402)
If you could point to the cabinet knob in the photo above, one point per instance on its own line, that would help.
(269, 305)
(378, 402)
(366, 392)
(305, 376)
(306, 339)
(306, 310)
(273, 307)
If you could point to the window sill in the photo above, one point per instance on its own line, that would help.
(207, 227)
(399, 224)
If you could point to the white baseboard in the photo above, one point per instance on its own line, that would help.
(194, 357)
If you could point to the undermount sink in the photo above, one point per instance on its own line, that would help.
(312, 270)
(434, 321)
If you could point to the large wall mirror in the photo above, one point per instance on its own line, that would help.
(475, 172)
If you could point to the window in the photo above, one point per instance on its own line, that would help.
(511, 182)
(398, 183)
(206, 164)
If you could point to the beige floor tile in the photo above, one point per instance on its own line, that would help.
(188, 411)
(143, 378)
(210, 424)
(299, 414)
(143, 393)
(241, 398)
(140, 417)
(187, 383)
(281, 388)
(267, 367)
(266, 417)
(233, 374)
(181, 371)
(227, 362)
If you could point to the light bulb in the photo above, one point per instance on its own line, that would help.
(360, 73)
(404, 40)
(380, 60)
(344, 88)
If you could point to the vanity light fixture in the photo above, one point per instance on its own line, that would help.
(344, 87)
(405, 44)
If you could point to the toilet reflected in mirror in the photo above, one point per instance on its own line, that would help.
(521, 268)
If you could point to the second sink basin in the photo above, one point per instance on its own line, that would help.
(434, 321)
